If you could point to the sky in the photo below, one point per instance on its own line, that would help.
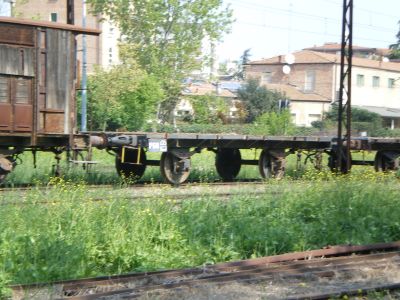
(5, 8)
(276, 27)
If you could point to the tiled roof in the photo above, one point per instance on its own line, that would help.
(382, 111)
(314, 57)
(295, 94)
(333, 47)
(206, 89)
(337, 47)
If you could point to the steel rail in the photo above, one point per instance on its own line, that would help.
(254, 275)
(294, 264)
(142, 184)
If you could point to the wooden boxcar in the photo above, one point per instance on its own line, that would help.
(37, 87)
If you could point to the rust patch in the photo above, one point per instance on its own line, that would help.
(54, 122)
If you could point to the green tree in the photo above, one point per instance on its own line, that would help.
(258, 99)
(168, 33)
(361, 120)
(208, 109)
(274, 123)
(122, 97)
(244, 59)
(168, 36)
(395, 48)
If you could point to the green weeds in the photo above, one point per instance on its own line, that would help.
(70, 236)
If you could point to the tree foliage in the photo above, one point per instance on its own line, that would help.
(244, 59)
(122, 97)
(208, 109)
(168, 33)
(274, 123)
(395, 48)
(361, 120)
(258, 99)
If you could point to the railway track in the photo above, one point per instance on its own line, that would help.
(219, 190)
(318, 274)
(142, 184)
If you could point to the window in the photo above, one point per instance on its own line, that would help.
(360, 80)
(314, 117)
(309, 84)
(375, 81)
(22, 91)
(391, 83)
(53, 17)
(4, 90)
(266, 77)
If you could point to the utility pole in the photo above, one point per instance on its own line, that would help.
(343, 158)
(84, 75)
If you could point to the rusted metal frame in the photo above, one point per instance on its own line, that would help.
(346, 53)
(71, 117)
(247, 144)
(38, 70)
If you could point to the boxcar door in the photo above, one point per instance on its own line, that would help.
(22, 104)
(5, 104)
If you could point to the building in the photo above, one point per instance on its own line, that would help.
(184, 107)
(312, 83)
(102, 50)
(358, 51)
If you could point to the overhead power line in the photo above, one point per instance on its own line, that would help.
(289, 12)
(307, 31)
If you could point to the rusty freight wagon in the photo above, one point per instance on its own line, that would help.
(38, 112)
(37, 88)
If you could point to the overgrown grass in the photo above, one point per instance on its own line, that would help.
(76, 237)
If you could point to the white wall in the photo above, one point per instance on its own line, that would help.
(304, 112)
(367, 95)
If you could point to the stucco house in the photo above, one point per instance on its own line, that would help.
(314, 79)
(185, 108)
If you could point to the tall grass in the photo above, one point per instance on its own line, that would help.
(77, 237)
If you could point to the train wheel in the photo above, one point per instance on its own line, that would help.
(6, 167)
(173, 169)
(386, 161)
(271, 164)
(228, 163)
(332, 160)
(134, 163)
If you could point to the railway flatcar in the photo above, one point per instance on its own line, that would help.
(38, 112)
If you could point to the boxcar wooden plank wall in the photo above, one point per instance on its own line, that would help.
(20, 61)
(17, 35)
(60, 47)
(17, 72)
